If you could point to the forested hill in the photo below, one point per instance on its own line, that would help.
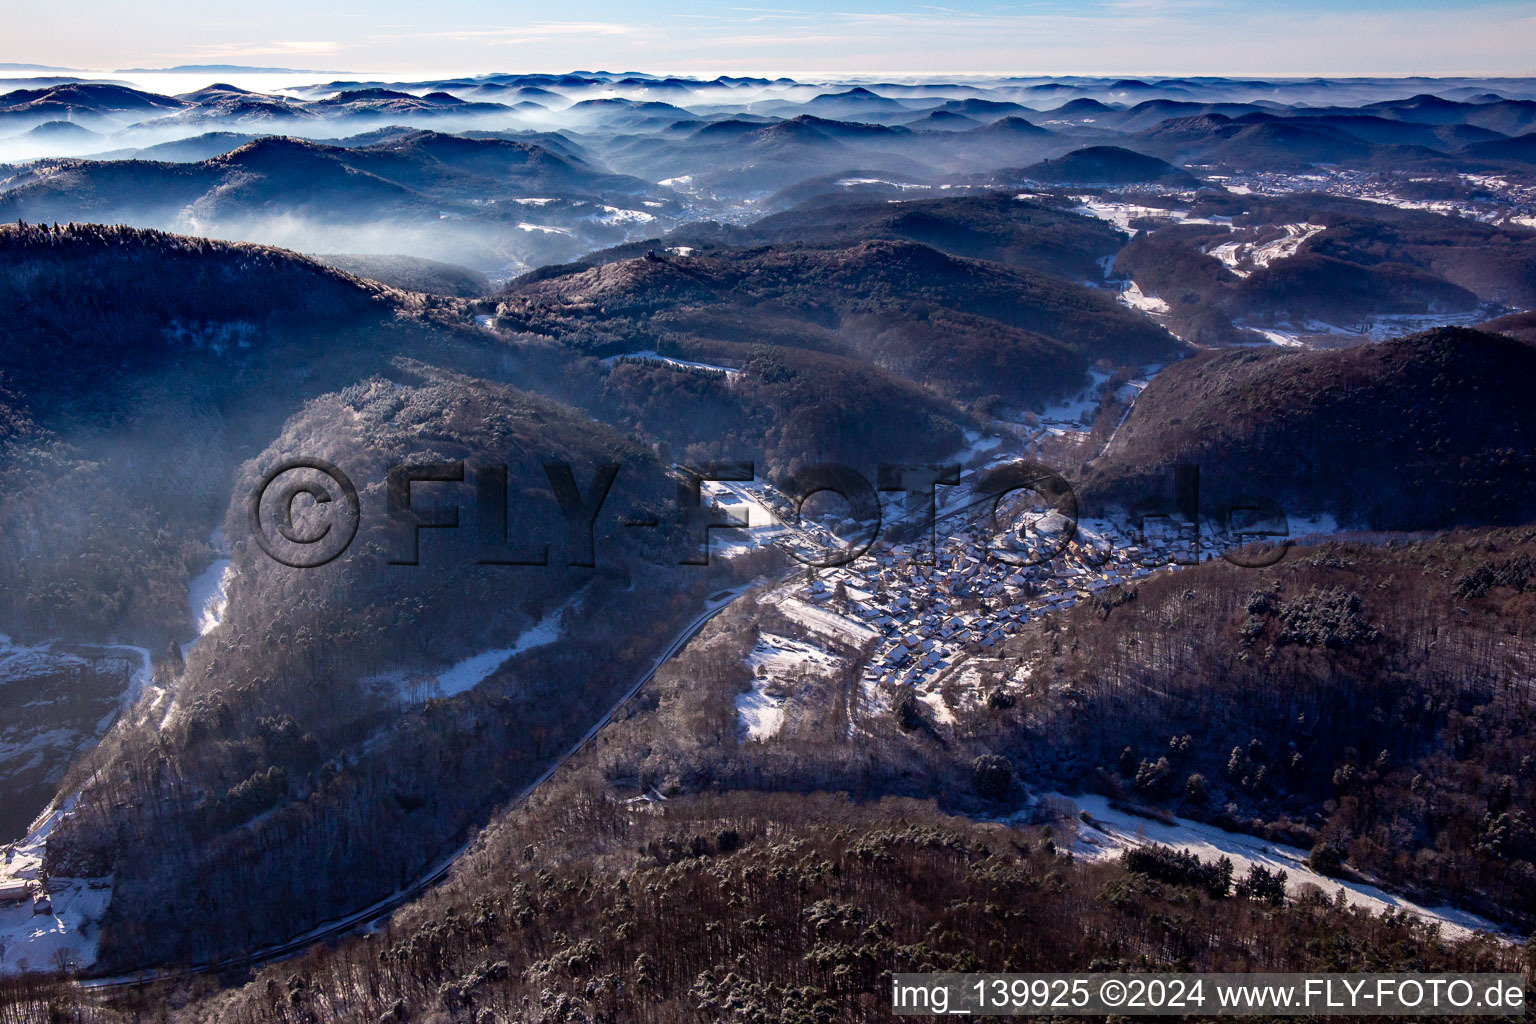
(137, 369)
(903, 334)
(1429, 431)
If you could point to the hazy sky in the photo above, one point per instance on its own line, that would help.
(1249, 37)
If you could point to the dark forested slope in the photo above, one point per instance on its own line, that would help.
(1428, 431)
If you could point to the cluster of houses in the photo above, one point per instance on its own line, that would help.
(928, 608)
(967, 598)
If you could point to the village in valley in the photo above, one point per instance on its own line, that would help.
(928, 618)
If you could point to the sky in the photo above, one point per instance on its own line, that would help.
(857, 37)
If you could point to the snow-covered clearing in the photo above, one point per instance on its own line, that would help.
(827, 622)
(1121, 214)
(780, 656)
(1109, 832)
(1283, 340)
(616, 215)
(651, 356)
(208, 595)
(934, 701)
(471, 672)
(1075, 413)
(1132, 296)
(1313, 527)
(546, 229)
(759, 715)
(855, 182)
(773, 660)
(1382, 327)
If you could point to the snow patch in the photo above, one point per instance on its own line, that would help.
(1132, 296)
(208, 595)
(827, 622)
(1121, 214)
(471, 672)
(68, 933)
(760, 715)
(1112, 831)
(615, 215)
(1242, 258)
(654, 357)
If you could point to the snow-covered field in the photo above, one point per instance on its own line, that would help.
(616, 215)
(1074, 413)
(781, 656)
(1109, 832)
(855, 182)
(777, 660)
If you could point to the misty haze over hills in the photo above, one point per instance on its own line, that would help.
(1260, 346)
(503, 173)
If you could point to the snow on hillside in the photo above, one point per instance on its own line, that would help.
(472, 671)
(651, 356)
(33, 938)
(827, 622)
(208, 593)
(1380, 327)
(1108, 832)
(1121, 214)
(1131, 295)
(1243, 258)
(58, 925)
(760, 715)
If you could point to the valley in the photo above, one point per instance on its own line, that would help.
(1099, 478)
